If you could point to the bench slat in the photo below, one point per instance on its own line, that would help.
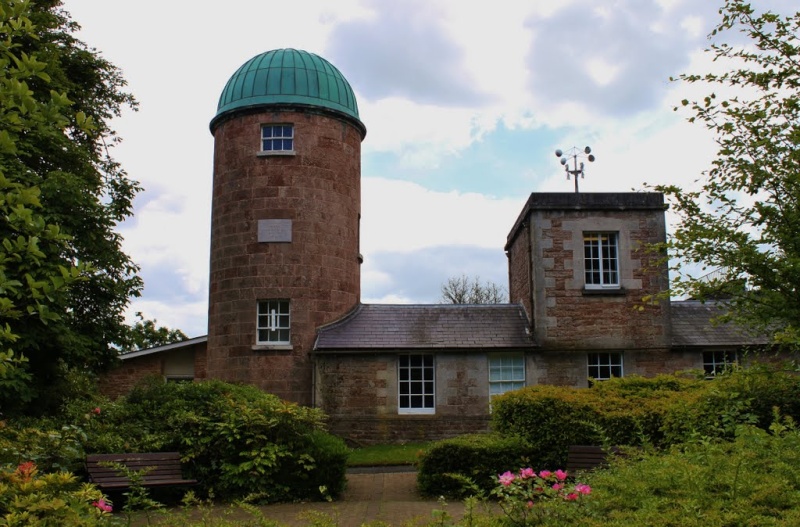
(586, 457)
(161, 469)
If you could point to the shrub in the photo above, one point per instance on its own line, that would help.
(753, 480)
(50, 447)
(57, 499)
(469, 464)
(236, 440)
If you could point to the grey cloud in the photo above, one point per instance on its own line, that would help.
(403, 51)
(564, 43)
(419, 275)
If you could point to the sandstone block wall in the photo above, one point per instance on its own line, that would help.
(319, 190)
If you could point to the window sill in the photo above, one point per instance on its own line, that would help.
(606, 291)
(272, 347)
(408, 411)
(269, 153)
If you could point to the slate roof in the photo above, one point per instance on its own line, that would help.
(692, 326)
(431, 327)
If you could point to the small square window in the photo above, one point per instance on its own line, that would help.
(603, 366)
(416, 384)
(277, 138)
(717, 362)
(601, 259)
(273, 325)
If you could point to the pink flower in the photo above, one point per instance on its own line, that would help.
(545, 474)
(561, 475)
(96, 411)
(506, 478)
(571, 496)
(527, 473)
(530, 504)
(558, 486)
(583, 489)
(102, 505)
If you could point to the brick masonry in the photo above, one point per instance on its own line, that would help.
(546, 271)
(319, 190)
(359, 394)
(121, 380)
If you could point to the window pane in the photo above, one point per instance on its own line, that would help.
(506, 372)
(416, 384)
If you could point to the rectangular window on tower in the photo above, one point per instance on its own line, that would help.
(277, 139)
(273, 326)
(601, 260)
(416, 384)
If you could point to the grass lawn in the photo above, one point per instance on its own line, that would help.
(381, 455)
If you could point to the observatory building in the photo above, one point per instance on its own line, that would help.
(285, 312)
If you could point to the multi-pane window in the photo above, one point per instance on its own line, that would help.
(506, 373)
(603, 366)
(416, 385)
(716, 362)
(601, 259)
(277, 138)
(273, 322)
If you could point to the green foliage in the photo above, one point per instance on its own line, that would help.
(64, 280)
(742, 222)
(57, 499)
(377, 455)
(752, 480)
(636, 411)
(236, 440)
(469, 464)
(50, 446)
(146, 333)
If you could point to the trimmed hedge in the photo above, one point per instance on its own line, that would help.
(469, 464)
(535, 425)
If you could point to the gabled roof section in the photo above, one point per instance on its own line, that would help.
(374, 327)
(166, 347)
(693, 326)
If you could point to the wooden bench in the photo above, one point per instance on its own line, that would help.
(587, 457)
(158, 469)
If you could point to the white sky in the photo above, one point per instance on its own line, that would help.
(464, 103)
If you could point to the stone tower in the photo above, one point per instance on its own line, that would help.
(285, 219)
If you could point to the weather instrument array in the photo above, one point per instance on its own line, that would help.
(577, 169)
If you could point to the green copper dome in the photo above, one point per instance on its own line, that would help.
(288, 77)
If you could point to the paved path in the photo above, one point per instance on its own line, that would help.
(390, 497)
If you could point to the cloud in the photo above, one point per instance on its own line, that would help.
(403, 50)
(403, 216)
(613, 61)
(417, 276)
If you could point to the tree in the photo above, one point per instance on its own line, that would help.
(742, 223)
(146, 333)
(67, 280)
(467, 290)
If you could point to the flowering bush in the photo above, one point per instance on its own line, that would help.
(523, 496)
(28, 497)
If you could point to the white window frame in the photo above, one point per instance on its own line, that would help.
(716, 362)
(275, 137)
(506, 372)
(595, 362)
(600, 261)
(416, 384)
(273, 316)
